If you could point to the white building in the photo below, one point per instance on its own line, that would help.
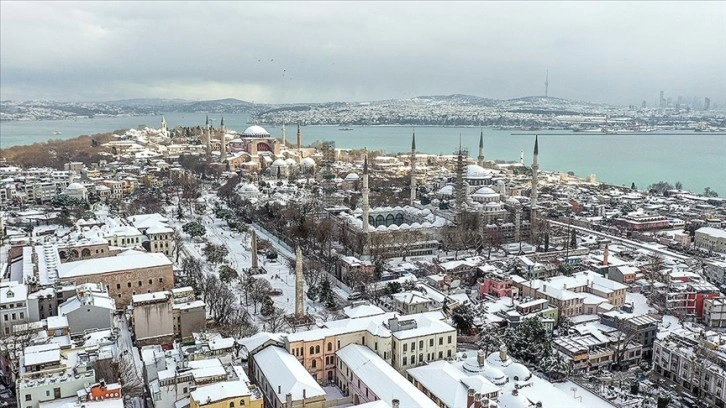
(90, 308)
(13, 305)
(283, 380)
(710, 239)
(45, 376)
(365, 376)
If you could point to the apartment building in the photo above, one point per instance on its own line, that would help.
(694, 362)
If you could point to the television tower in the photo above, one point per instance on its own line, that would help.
(547, 83)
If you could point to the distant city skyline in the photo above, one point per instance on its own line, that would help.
(610, 52)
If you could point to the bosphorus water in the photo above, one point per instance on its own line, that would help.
(697, 160)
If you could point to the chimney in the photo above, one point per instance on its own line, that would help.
(503, 353)
(279, 389)
(288, 400)
(539, 404)
(469, 397)
(393, 324)
(395, 403)
(304, 393)
(480, 358)
(605, 256)
(477, 400)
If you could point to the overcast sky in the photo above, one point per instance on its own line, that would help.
(613, 52)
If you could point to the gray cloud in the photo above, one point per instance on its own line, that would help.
(307, 51)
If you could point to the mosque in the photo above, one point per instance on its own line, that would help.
(255, 150)
(417, 229)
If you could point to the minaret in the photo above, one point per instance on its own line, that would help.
(605, 256)
(223, 141)
(164, 129)
(459, 187)
(480, 159)
(299, 140)
(299, 308)
(413, 168)
(521, 157)
(535, 168)
(283, 135)
(364, 194)
(207, 130)
(253, 251)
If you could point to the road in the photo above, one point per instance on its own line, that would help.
(622, 241)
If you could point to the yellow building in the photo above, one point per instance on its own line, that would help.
(227, 394)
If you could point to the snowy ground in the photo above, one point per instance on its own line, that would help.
(640, 303)
(277, 272)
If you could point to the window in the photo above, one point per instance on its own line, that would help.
(441, 355)
(231, 404)
(317, 349)
(449, 340)
(151, 281)
(413, 346)
(405, 360)
(441, 341)
(28, 397)
(22, 315)
(161, 280)
(413, 359)
(312, 350)
(129, 284)
(118, 286)
(139, 283)
(330, 346)
(241, 402)
(420, 344)
(448, 353)
(405, 347)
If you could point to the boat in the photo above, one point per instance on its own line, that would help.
(57, 132)
(345, 128)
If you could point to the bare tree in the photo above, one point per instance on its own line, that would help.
(132, 384)
(259, 290)
(238, 325)
(178, 244)
(621, 340)
(277, 321)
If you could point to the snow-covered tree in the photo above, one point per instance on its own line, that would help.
(528, 341)
(490, 339)
(463, 318)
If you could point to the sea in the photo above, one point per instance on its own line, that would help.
(697, 160)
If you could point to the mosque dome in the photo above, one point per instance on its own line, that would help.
(290, 162)
(474, 171)
(248, 189)
(308, 162)
(447, 190)
(75, 186)
(255, 131)
(515, 371)
(477, 365)
(279, 163)
(352, 177)
(486, 191)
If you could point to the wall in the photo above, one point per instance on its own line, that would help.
(153, 320)
(89, 317)
(117, 283)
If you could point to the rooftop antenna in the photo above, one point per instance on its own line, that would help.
(547, 83)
